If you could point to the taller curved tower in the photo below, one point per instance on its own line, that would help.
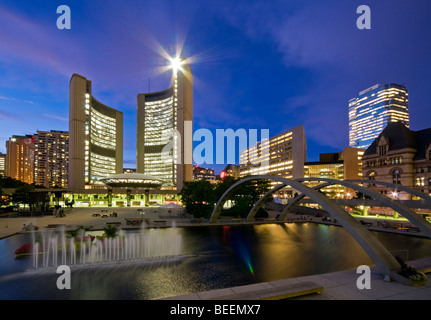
(164, 130)
(95, 137)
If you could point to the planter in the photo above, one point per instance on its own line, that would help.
(406, 280)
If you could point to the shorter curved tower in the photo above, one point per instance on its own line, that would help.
(96, 137)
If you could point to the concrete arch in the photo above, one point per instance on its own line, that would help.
(426, 198)
(383, 259)
(293, 202)
(406, 212)
(261, 201)
(414, 192)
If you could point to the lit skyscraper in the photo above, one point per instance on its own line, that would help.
(373, 109)
(96, 137)
(2, 164)
(20, 158)
(161, 127)
(51, 158)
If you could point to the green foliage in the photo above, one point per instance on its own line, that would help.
(110, 231)
(200, 197)
(22, 195)
(28, 195)
(410, 272)
(4, 198)
(8, 182)
(360, 195)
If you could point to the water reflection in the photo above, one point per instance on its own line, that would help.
(218, 257)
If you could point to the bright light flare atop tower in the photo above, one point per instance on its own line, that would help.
(176, 63)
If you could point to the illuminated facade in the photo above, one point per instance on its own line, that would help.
(402, 157)
(231, 170)
(344, 165)
(200, 173)
(20, 158)
(2, 164)
(287, 153)
(164, 132)
(373, 109)
(96, 137)
(51, 158)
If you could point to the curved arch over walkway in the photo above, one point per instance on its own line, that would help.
(383, 259)
(406, 212)
(293, 202)
(261, 201)
(414, 192)
(298, 198)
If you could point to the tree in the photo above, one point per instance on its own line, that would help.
(198, 198)
(22, 195)
(244, 196)
(4, 198)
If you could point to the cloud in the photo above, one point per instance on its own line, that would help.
(6, 116)
(26, 39)
(56, 116)
(319, 41)
(17, 100)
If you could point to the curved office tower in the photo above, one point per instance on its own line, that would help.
(164, 131)
(96, 137)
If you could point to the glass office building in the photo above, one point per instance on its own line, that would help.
(164, 132)
(96, 137)
(373, 110)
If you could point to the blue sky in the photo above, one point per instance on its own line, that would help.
(256, 64)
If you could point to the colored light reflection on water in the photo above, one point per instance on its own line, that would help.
(240, 245)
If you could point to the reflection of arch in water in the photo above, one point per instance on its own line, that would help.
(383, 259)
(376, 251)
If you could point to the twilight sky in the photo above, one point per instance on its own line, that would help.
(256, 64)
